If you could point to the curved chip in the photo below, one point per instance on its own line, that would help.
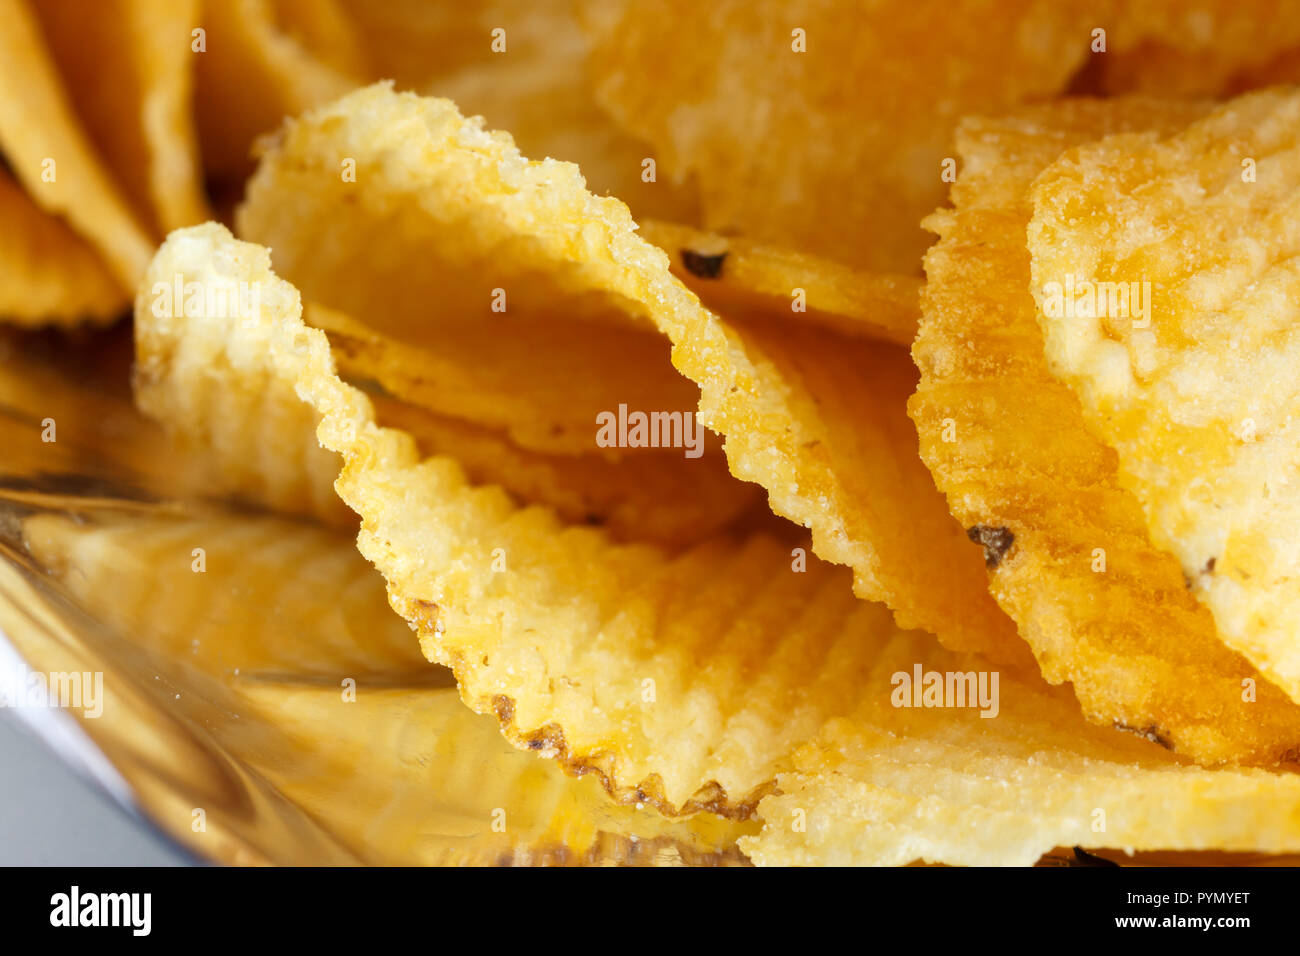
(1194, 48)
(1070, 559)
(129, 71)
(809, 124)
(1183, 354)
(252, 73)
(661, 499)
(442, 213)
(48, 273)
(679, 679)
(674, 664)
(739, 276)
(949, 785)
(50, 153)
(404, 773)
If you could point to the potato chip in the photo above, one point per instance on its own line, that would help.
(1181, 354)
(679, 679)
(809, 124)
(48, 273)
(50, 154)
(536, 379)
(443, 213)
(230, 593)
(670, 667)
(1069, 555)
(948, 785)
(404, 773)
(738, 276)
(1195, 48)
(129, 74)
(661, 498)
(251, 73)
(414, 777)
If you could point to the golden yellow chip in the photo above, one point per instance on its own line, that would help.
(1182, 354)
(950, 785)
(809, 124)
(538, 379)
(739, 276)
(1195, 47)
(699, 674)
(443, 216)
(50, 153)
(682, 679)
(49, 274)
(401, 770)
(661, 499)
(252, 73)
(129, 72)
(1070, 559)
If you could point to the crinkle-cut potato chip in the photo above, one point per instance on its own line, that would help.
(442, 212)
(1184, 354)
(398, 772)
(541, 382)
(1070, 557)
(251, 75)
(50, 153)
(255, 609)
(809, 124)
(536, 87)
(894, 785)
(222, 406)
(739, 276)
(130, 76)
(682, 680)
(660, 499)
(415, 776)
(49, 275)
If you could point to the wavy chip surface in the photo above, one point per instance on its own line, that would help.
(442, 213)
(1102, 606)
(1183, 353)
(702, 673)
(618, 660)
(808, 124)
(947, 785)
(404, 773)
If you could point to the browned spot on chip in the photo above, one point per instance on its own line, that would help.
(996, 542)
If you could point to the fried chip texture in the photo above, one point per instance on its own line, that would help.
(738, 276)
(48, 273)
(129, 72)
(50, 153)
(808, 124)
(1070, 558)
(718, 664)
(947, 785)
(443, 212)
(1182, 354)
(681, 679)
(405, 773)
